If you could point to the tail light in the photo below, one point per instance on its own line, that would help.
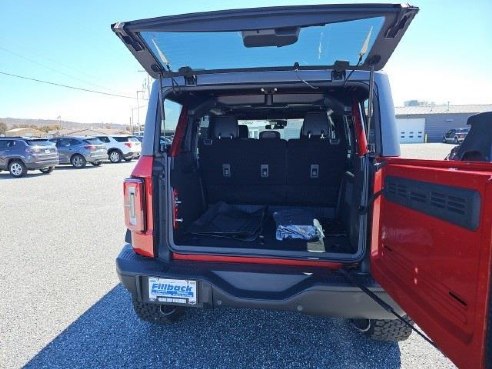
(128, 144)
(134, 204)
(90, 147)
(139, 219)
(33, 150)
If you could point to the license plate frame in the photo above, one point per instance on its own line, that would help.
(173, 291)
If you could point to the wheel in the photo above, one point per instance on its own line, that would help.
(78, 161)
(158, 314)
(17, 168)
(384, 329)
(115, 156)
(455, 140)
(96, 163)
(128, 159)
(47, 170)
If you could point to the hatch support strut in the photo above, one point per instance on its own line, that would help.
(370, 109)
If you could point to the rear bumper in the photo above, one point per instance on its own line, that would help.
(131, 154)
(317, 292)
(94, 157)
(42, 164)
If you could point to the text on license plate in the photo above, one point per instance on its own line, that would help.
(176, 291)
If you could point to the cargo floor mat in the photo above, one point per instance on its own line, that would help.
(238, 222)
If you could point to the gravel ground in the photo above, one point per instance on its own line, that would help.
(62, 307)
(434, 151)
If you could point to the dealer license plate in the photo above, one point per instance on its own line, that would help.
(176, 291)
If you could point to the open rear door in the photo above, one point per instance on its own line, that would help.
(431, 251)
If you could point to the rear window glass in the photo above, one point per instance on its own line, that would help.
(292, 128)
(93, 141)
(39, 143)
(133, 139)
(316, 45)
(122, 139)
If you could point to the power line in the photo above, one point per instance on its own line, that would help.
(56, 70)
(66, 86)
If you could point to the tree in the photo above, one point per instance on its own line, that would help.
(3, 128)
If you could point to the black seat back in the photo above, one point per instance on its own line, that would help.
(316, 162)
(241, 171)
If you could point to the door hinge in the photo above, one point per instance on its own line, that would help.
(380, 165)
(188, 75)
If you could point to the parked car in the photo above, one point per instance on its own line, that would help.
(477, 145)
(330, 222)
(121, 147)
(455, 135)
(78, 151)
(18, 155)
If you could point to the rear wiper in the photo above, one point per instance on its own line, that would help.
(162, 56)
(362, 52)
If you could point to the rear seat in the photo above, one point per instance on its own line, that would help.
(269, 170)
(315, 162)
(219, 156)
(241, 171)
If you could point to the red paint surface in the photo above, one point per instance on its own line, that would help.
(180, 132)
(360, 135)
(423, 261)
(143, 242)
(253, 260)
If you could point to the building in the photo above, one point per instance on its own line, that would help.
(25, 132)
(417, 122)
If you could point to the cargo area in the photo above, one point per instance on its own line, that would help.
(286, 182)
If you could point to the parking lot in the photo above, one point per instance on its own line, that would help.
(61, 305)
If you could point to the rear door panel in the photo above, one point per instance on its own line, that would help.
(431, 249)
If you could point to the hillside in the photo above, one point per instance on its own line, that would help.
(10, 122)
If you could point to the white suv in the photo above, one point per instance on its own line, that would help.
(121, 147)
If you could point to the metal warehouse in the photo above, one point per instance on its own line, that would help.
(416, 123)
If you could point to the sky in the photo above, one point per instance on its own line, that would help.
(443, 57)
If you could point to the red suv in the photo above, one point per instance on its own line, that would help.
(282, 188)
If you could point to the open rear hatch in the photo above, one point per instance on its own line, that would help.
(320, 37)
(316, 36)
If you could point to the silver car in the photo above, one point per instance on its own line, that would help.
(19, 154)
(79, 151)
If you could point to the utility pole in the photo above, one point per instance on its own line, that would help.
(138, 109)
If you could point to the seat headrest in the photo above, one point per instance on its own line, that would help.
(225, 126)
(269, 135)
(243, 131)
(315, 124)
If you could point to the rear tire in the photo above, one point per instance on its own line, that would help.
(158, 314)
(17, 168)
(393, 330)
(128, 159)
(115, 156)
(47, 170)
(78, 161)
